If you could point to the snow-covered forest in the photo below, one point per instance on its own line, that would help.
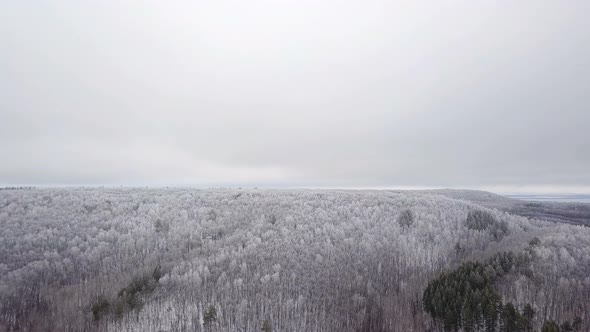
(273, 260)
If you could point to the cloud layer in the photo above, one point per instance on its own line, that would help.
(296, 93)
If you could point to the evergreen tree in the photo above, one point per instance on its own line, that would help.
(511, 319)
(100, 308)
(577, 324)
(468, 312)
(406, 218)
(491, 307)
(550, 326)
(566, 327)
(209, 316)
(266, 327)
(528, 314)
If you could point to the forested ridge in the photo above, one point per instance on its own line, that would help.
(283, 260)
(563, 212)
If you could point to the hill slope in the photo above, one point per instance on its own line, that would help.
(300, 260)
(566, 212)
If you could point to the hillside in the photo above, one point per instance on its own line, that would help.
(285, 260)
(566, 212)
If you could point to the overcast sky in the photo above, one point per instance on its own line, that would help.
(305, 93)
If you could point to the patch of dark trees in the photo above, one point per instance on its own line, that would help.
(481, 220)
(465, 299)
(129, 298)
(406, 218)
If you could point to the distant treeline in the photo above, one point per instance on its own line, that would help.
(17, 188)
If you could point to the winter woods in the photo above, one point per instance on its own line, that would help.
(252, 260)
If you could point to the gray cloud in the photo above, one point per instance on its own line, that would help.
(299, 93)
